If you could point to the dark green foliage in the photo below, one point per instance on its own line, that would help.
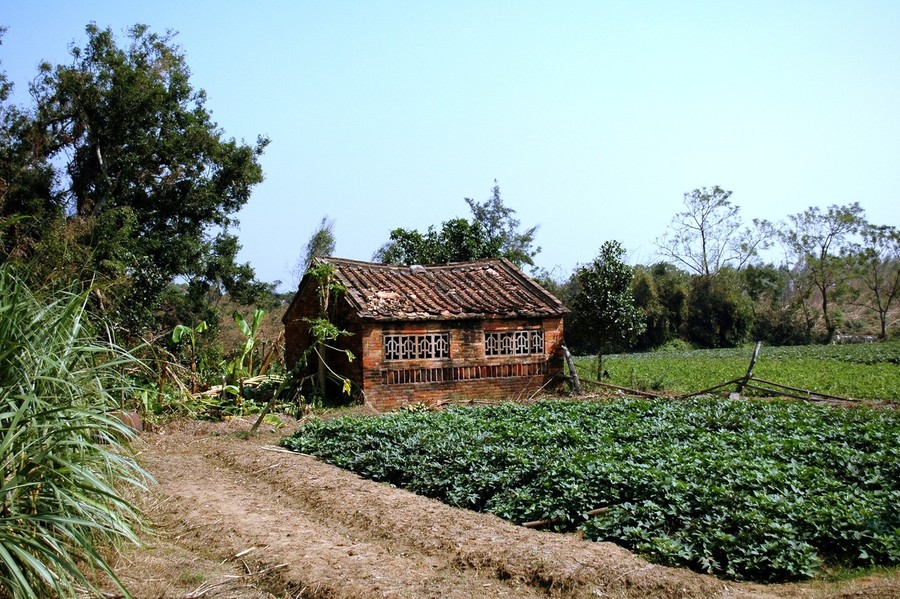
(502, 228)
(662, 292)
(458, 241)
(720, 313)
(777, 319)
(26, 177)
(757, 490)
(493, 232)
(126, 179)
(604, 315)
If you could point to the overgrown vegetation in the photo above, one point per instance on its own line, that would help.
(756, 490)
(64, 454)
(858, 371)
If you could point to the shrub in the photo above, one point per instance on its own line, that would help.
(63, 453)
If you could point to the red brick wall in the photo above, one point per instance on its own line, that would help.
(466, 353)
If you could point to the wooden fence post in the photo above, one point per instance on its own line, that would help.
(749, 375)
(576, 383)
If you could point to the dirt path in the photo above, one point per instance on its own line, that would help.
(239, 518)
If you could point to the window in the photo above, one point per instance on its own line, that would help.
(514, 343)
(417, 347)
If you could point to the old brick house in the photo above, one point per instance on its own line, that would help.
(434, 334)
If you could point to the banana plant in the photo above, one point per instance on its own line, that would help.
(178, 333)
(241, 366)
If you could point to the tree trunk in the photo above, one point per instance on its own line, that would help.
(322, 379)
(830, 327)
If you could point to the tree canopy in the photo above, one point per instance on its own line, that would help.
(877, 265)
(125, 177)
(710, 234)
(493, 232)
(502, 228)
(458, 240)
(818, 242)
(604, 303)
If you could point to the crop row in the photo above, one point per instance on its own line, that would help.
(744, 489)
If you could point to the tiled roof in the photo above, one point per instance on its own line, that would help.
(492, 288)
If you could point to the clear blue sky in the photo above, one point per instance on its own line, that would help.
(594, 117)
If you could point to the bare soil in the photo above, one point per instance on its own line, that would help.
(236, 517)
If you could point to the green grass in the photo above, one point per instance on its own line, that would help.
(863, 371)
(759, 490)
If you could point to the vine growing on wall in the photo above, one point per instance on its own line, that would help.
(323, 333)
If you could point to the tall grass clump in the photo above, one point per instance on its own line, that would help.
(65, 458)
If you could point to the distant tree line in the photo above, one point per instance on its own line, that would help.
(840, 273)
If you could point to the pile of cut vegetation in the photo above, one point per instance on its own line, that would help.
(757, 490)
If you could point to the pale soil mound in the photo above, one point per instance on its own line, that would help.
(241, 518)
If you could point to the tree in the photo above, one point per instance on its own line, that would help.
(720, 313)
(503, 229)
(142, 176)
(493, 232)
(779, 316)
(709, 235)
(25, 177)
(662, 292)
(321, 243)
(876, 261)
(604, 306)
(817, 243)
(458, 241)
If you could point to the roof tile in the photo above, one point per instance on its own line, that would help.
(492, 288)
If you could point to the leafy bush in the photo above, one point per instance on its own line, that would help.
(744, 489)
(63, 454)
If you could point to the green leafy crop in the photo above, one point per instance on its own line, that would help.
(759, 490)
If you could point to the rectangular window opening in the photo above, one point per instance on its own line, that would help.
(417, 347)
(514, 343)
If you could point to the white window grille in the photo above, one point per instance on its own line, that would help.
(417, 347)
(514, 343)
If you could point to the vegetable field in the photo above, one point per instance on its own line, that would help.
(860, 371)
(757, 490)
